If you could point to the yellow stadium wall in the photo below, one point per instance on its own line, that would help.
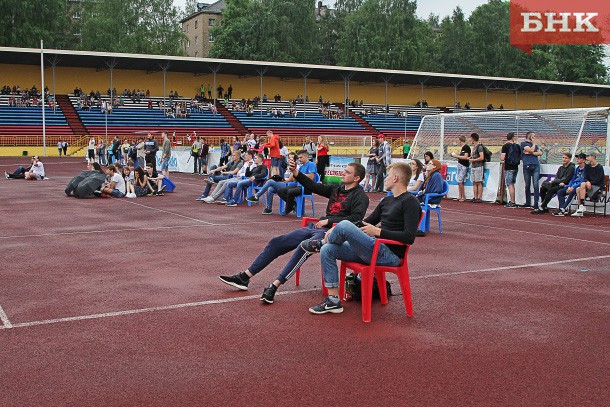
(187, 84)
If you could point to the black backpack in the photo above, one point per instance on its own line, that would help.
(486, 153)
(353, 287)
(513, 156)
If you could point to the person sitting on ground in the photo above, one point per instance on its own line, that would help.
(254, 176)
(221, 187)
(548, 189)
(217, 174)
(593, 183)
(570, 188)
(290, 193)
(128, 176)
(115, 186)
(156, 180)
(35, 172)
(141, 185)
(399, 216)
(347, 201)
(433, 183)
(271, 187)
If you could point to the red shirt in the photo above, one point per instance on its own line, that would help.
(323, 151)
(274, 146)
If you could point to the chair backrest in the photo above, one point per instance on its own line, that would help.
(445, 187)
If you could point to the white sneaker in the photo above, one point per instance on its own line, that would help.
(582, 209)
(577, 214)
(131, 195)
(208, 200)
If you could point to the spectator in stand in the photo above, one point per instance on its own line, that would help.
(593, 183)
(372, 166)
(477, 161)
(322, 157)
(230, 91)
(271, 187)
(35, 172)
(548, 189)
(570, 188)
(462, 167)
(151, 146)
(510, 156)
(417, 179)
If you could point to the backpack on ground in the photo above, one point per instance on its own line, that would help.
(513, 156)
(353, 286)
(486, 153)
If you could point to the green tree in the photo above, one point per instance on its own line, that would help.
(136, 26)
(272, 30)
(23, 23)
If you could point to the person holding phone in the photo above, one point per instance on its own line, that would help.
(346, 202)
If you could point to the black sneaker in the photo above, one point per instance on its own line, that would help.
(327, 305)
(97, 193)
(510, 205)
(267, 211)
(287, 210)
(312, 245)
(419, 233)
(236, 281)
(161, 189)
(268, 294)
(252, 198)
(560, 212)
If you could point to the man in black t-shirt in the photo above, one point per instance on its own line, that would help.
(462, 167)
(399, 215)
(508, 157)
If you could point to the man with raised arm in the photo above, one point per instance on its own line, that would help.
(347, 201)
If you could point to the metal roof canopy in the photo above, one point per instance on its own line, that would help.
(324, 73)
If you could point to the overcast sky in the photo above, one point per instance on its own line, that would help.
(424, 8)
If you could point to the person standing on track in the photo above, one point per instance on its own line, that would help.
(151, 146)
(347, 201)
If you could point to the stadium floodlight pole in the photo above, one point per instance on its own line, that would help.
(44, 122)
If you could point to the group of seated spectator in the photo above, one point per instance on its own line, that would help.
(129, 181)
(27, 97)
(300, 99)
(329, 113)
(422, 103)
(355, 103)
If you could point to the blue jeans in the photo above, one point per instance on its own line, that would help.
(283, 244)
(347, 242)
(531, 175)
(239, 186)
(216, 178)
(561, 197)
(270, 187)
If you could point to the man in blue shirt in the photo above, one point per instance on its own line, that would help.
(289, 194)
(531, 168)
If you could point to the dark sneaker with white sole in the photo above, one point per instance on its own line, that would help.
(236, 280)
(268, 294)
(328, 305)
(252, 198)
(267, 211)
(312, 245)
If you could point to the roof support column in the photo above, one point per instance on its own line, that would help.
(421, 94)
(487, 86)
(215, 70)
(261, 73)
(305, 75)
(386, 80)
(544, 91)
(346, 81)
(597, 92)
(572, 92)
(517, 87)
(110, 64)
(455, 86)
(54, 62)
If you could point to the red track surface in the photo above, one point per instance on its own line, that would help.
(524, 326)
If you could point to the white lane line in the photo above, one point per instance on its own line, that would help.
(164, 211)
(6, 323)
(559, 224)
(548, 263)
(146, 310)
(532, 233)
(252, 297)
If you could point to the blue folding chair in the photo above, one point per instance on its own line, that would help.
(300, 200)
(256, 186)
(425, 223)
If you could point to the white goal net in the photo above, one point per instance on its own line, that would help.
(557, 131)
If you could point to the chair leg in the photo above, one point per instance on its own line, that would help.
(405, 287)
(367, 295)
(297, 277)
(440, 222)
(383, 290)
(342, 273)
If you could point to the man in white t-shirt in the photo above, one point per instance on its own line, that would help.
(34, 173)
(116, 185)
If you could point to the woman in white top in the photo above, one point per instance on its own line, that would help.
(91, 151)
(418, 175)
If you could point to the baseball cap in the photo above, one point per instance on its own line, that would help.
(582, 156)
(592, 153)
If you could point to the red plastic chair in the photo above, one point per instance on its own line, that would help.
(370, 271)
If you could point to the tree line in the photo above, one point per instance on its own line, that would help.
(384, 34)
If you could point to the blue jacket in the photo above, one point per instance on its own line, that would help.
(434, 186)
(577, 179)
